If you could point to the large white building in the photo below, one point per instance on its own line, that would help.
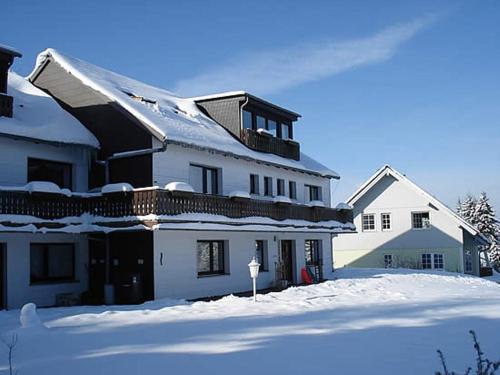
(193, 189)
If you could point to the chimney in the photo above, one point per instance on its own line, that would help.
(7, 55)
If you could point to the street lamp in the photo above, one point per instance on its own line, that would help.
(254, 273)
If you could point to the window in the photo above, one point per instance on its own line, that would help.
(468, 261)
(313, 193)
(211, 258)
(247, 120)
(421, 220)
(388, 260)
(261, 122)
(204, 179)
(254, 184)
(52, 262)
(268, 186)
(426, 261)
(272, 127)
(438, 261)
(292, 189)
(313, 252)
(286, 131)
(281, 186)
(368, 222)
(51, 171)
(261, 254)
(386, 221)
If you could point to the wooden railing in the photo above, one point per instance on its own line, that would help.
(267, 143)
(6, 103)
(158, 202)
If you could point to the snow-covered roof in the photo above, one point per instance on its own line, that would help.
(11, 51)
(169, 117)
(38, 116)
(387, 170)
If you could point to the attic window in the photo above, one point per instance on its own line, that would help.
(140, 98)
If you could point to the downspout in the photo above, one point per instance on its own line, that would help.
(241, 113)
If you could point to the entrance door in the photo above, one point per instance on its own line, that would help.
(2, 276)
(97, 269)
(286, 258)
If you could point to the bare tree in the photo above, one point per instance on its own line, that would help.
(11, 345)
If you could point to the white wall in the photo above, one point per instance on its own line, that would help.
(178, 277)
(19, 291)
(399, 199)
(173, 165)
(15, 154)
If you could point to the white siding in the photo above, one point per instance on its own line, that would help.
(19, 291)
(15, 154)
(173, 165)
(400, 200)
(175, 261)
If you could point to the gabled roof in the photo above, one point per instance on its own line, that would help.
(169, 117)
(38, 116)
(387, 170)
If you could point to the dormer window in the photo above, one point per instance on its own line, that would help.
(247, 120)
(272, 127)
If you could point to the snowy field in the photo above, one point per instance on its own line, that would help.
(365, 322)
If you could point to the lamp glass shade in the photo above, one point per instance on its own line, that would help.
(254, 268)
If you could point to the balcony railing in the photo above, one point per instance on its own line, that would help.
(6, 103)
(267, 143)
(158, 202)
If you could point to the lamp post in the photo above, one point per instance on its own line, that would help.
(254, 273)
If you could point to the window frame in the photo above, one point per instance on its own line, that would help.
(292, 192)
(468, 260)
(413, 220)
(53, 280)
(310, 189)
(280, 187)
(254, 184)
(268, 186)
(363, 222)
(388, 261)
(314, 249)
(382, 221)
(433, 261)
(263, 258)
(204, 176)
(55, 162)
(211, 272)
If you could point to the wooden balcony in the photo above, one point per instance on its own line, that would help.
(272, 145)
(6, 104)
(158, 202)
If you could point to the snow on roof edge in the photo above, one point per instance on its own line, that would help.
(10, 50)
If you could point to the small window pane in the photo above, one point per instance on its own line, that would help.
(314, 193)
(247, 120)
(388, 260)
(386, 222)
(44, 170)
(368, 222)
(261, 122)
(292, 189)
(203, 257)
(52, 262)
(268, 186)
(210, 257)
(281, 186)
(254, 184)
(285, 131)
(271, 127)
(426, 261)
(438, 261)
(421, 220)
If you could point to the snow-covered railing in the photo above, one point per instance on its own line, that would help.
(157, 202)
(267, 143)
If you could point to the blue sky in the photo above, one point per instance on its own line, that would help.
(412, 84)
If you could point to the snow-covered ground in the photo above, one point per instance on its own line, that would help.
(365, 322)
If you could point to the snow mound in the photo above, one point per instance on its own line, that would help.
(121, 187)
(42, 187)
(281, 199)
(343, 206)
(29, 317)
(179, 186)
(316, 204)
(239, 194)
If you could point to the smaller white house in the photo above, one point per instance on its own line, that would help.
(400, 225)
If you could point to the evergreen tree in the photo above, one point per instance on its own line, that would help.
(483, 218)
(467, 208)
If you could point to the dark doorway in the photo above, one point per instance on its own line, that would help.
(2, 276)
(286, 259)
(131, 260)
(97, 268)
